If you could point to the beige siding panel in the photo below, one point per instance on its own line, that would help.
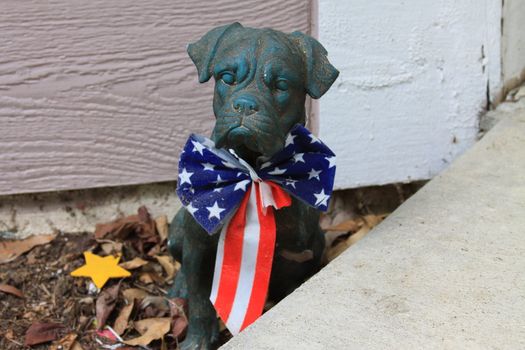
(102, 93)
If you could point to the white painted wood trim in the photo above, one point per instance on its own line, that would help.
(413, 83)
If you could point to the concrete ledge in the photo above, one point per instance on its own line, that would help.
(444, 271)
(80, 210)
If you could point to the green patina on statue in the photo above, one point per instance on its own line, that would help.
(262, 77)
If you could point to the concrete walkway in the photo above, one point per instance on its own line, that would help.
(444, 271)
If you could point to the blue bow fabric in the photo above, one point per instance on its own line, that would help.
(212, 182)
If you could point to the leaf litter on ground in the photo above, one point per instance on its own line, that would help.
(12, 249)
(40, 304)
(60, 311)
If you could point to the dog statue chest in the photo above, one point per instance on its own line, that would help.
(294, 227)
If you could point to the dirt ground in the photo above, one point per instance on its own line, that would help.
(52, 296)
(65, 308)
(43, 307)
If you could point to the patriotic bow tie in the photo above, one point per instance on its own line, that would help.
(220, 189)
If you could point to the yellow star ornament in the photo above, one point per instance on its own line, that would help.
(100, 269)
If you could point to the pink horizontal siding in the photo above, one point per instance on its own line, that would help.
(102, 93)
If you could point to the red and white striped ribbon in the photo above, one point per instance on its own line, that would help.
(244, 256)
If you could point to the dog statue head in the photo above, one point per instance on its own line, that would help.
(262, 77)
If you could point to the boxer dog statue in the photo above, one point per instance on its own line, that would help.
(261, 77)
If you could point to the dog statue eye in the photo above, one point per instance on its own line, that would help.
(281, 84)
(228, 78)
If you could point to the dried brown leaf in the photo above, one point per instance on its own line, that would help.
(9, 334)
(374, 220)
(6, 288)
(66, 343)
(155, 306)
(146, 278)
(365, 224)
(114, 227)
(105, 304)
(161, 224)
(331, 236)
(133, 264)
(41, 332)
(347, 226)
(121, 323)
(178, 311)
(150, 329)
(168, 264)
(154, 250)
(12, 249)
(336, 250)
(139, 229)
(111, 248)
(134, 293)
(77, 346)
(358, 235)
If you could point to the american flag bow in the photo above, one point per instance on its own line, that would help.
(224, 193)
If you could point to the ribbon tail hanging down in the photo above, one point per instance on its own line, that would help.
(244, 257)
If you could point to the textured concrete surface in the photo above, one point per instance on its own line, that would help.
(79, 211)
(444, 271)
(515, 101)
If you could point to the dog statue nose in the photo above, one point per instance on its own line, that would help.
(246, 105)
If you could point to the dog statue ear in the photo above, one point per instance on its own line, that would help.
(203, 51)
(320, 74)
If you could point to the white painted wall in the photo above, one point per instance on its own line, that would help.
(414, 77)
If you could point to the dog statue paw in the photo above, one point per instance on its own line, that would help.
(252, 192)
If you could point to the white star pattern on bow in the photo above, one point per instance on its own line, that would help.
(314, 174)
(185, 176)
(265, 165)
(215, 211)
(290, 182)
(321, 198)
(277, 171)
(219, 180)
(298, 158)
(331, 162)
(197, 147)
(241, 185)
(191, 209)
(289, 140)
(208, 166)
